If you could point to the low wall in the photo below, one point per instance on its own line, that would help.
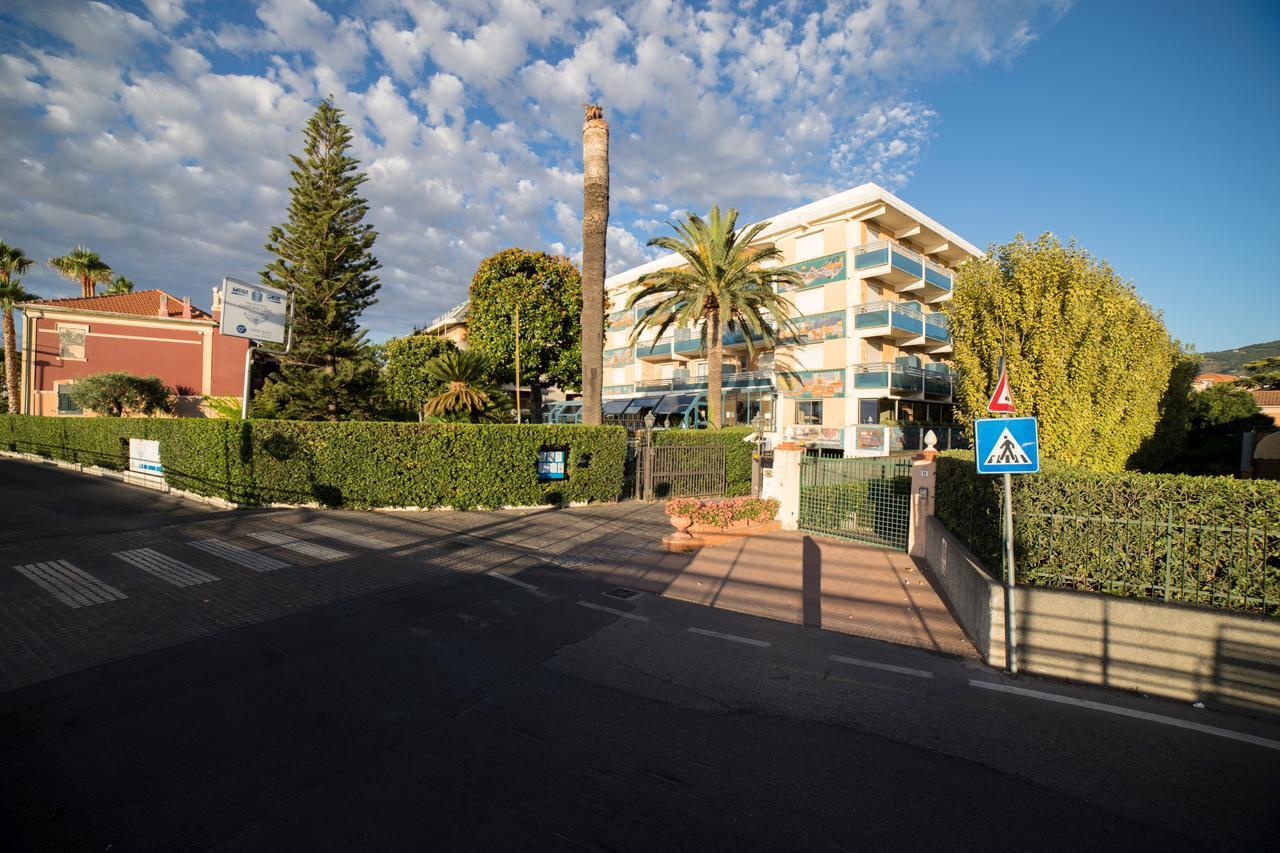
(1218, 657)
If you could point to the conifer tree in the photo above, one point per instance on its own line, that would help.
(324, 255)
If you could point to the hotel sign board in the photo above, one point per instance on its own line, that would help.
(254, 311)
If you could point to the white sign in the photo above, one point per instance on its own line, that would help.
(144, 457)
(254, 311)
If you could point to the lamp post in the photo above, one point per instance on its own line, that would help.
(519, 419)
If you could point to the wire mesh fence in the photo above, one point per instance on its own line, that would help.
(866, 500)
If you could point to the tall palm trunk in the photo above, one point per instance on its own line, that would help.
(595, 224)
(715, 367)
(11, 376)
(86, 287)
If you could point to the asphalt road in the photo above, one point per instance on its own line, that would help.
(494, 701)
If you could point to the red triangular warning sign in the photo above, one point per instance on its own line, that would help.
(1002, 400)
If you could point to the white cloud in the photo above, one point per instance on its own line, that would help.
(163, 140)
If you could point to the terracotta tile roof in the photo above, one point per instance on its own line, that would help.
(141, 303)
(1267, 398)
(1216, 377)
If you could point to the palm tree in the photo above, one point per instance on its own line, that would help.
(120, 285)
(469, 392)
(595, 225)
(722, 285)
(13, 262)
(83, 266)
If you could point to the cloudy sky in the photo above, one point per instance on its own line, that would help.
(158, 131)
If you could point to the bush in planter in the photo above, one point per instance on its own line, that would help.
(724, 513)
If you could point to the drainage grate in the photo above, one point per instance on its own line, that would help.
(623, 593)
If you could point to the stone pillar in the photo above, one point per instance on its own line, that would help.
(786, 476)
(923, 494)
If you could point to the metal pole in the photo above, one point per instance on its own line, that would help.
(518, 417)
(248, 374)
(1011, 636)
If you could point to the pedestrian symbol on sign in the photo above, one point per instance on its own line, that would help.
(1007, 445)
(1007, 452)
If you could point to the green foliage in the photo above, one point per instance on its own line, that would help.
(1169, 441)
(119, 285)
(723, 285)
(83, 266)
(547, 291)
(468, 392)
(357, 464)
(723, 513)
(1085, 354)
(1223, 406)
(323, 253)
(1264, 373)
(1232, 361)
(13, 262)
(223, 407)
(117, 393)
(404, 375)
(1215, 539)
(737, 453)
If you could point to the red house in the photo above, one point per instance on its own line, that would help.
(147, 333)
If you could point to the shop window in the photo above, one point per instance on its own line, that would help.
(809, 412)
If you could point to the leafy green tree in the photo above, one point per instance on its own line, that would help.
(1169, 440)
(119, 285)
(1264, 374)
(117, 393)
(1224, 406)
(84, 266)
(13, 263)
(722, 286)
(404, 375)
(323, 253)
(467, 389)
(1085, 354)
(546, 291)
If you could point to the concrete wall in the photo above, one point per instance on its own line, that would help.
(1218, 657)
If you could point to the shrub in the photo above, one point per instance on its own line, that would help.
(356, 464)
(737, 453)
(723, 513)
(115, 394)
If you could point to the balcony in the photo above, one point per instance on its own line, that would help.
(902, 268)
(890, 378)
(937, 328)
(688, 342)
(897, 321)
(752, 379)
(659, 350)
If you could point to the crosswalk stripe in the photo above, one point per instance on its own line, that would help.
(239, 556)
(301, 546)
(361, 539)
(164, 567)
(70, 585)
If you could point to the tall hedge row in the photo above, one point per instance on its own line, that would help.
(355, 464)
(1207, 540)
(737, 453)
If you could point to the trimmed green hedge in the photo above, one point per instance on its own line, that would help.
(1207, 540)
(356, 464)
(737, 453)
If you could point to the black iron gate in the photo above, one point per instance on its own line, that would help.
(867, 500)
(658, 472)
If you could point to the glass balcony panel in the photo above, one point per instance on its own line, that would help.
(903, 260)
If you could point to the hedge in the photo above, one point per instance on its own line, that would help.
(737, 453)
(357, 464)
(1180, 538)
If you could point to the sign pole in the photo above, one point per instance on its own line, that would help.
(248, 375)
(1011, 636)
(518, 418)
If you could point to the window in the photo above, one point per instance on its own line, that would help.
(809, 412)
(67, 406)
(71, 342)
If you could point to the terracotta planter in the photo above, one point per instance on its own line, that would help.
(682, 524)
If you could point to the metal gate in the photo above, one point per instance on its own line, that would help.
(680, 471)
(867, 500)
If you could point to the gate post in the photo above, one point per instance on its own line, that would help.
(786, 474)
(923, 494)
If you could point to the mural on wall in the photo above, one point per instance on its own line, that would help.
(818, 271)
(619, 320)
(616, 389)
(812, 384)
(619, 357)
(815, 328)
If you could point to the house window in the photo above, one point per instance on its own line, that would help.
(67, 406)
(71, 342)
(809, 412)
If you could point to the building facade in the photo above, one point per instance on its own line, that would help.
(147, 333)
(872, 344)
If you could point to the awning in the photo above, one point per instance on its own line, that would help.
(674, 403)
(638, 403)
(614, 407)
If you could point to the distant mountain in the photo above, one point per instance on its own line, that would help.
(1233, 360)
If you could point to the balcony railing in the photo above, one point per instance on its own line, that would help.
(746, 379)
(937, 327)
(884, 252)
(901, 378)
(904, 316)
(936, 275)
(660, 348)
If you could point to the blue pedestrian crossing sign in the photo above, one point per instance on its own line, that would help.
(1007, 445)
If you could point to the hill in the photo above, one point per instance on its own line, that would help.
(1233, 360)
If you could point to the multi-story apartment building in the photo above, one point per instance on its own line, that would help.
(872, 342)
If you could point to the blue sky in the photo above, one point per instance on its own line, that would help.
(158, 131)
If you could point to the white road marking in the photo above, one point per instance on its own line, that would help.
(887, 667)
(731, 637)
(70, 585)
(239, 556)
(164, 567)
(624, 614)
(363, 540)
(521, 584)
(1129, 712)
(300, 546)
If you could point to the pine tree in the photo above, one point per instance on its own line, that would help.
(324, 255)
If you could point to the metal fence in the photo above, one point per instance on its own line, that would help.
(684, 471)
(866, 500)
(1159, 558)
